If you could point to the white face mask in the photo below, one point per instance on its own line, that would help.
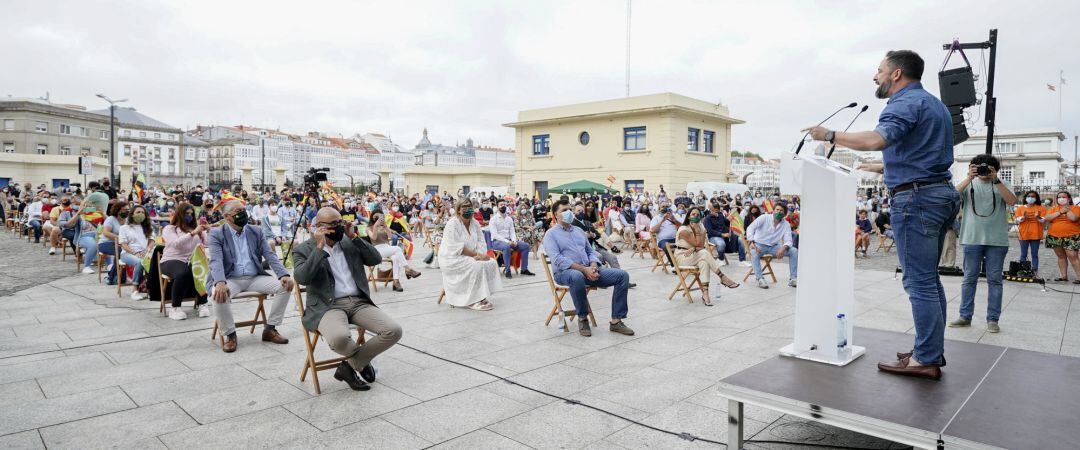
(1063, 201)
(1030, 200)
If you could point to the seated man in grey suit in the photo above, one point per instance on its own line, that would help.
(331, 265)
(237, 251)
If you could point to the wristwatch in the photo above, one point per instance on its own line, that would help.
(830, 136)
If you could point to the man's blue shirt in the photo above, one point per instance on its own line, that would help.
(918, 137)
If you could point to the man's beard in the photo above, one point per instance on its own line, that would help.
(883, 89)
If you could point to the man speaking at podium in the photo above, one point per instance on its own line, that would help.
(915, 135)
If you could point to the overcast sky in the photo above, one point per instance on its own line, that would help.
(463, 68)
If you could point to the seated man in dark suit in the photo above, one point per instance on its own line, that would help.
(331, 265)
(237, 251)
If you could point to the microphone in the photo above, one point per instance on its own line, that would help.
(864, 108)
(803, 140)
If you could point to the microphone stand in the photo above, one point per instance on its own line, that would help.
(803, 140)
(864, 108)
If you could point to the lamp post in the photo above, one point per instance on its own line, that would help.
(352, 185)
(112, 138)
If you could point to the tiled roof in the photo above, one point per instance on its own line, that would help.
(128, 115)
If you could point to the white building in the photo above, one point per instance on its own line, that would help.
(757, 173)
(1029, 159)
(152, 145)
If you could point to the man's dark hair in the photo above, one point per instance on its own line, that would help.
(989, 160)
(909, 63)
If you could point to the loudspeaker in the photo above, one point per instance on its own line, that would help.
(957, 86)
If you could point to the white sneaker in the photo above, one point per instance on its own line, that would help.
(136, 295)
(88, 270)
(744, 263)
(762, 284)
(793, 283)
(723, 262)
(204, 310)
(177, 314)
(52, 250)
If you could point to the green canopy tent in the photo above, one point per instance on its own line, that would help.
(581, 187)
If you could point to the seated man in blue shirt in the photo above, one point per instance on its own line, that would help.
(575, 265)
(664, 226)
(237, 250)
(771, 235)
(718, 229)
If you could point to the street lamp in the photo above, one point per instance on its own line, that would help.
(352, 185)
(112, 138)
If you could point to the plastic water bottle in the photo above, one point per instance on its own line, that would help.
(842, 349)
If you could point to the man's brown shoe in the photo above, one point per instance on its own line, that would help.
(410, 273)
(903, 355)
(270, 335)
(901, 367)
(230, 346)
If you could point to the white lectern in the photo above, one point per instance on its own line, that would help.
(826, 257)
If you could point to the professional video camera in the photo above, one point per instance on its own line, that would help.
(313, 177)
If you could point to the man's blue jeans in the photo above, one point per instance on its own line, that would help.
(109, 249)
(663, 243)
(576, 281)
(974, 255)
(721, 245)
(506, 248)
(1033, 246)
(792, 254)
(920, 218)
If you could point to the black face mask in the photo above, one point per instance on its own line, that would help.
(241, 219)
(337, 234)
(580, 216)
(502, 210)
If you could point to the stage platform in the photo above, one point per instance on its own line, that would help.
(988, 396)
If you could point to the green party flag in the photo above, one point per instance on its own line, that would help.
(200, 267)
(146, 259)
(285, 253)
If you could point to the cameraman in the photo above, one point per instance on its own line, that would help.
(984, 233)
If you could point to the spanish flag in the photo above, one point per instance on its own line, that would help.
(768, 205)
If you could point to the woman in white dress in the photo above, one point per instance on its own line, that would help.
(470, 276)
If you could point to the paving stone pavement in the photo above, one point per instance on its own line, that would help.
(82, 368)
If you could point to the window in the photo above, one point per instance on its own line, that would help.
(41, 127)
(692, 139)
(86, 151)
(157, 152)
(542, 144)
(1037, 175)
(172, 153)
(1005, 147)
(189, 154)
(84, 132)
(634, 138)
(65, 150)
(432, 188)
(9, 147)
(105, 153)
(172, 137)
(157, 135)
(127, 150)
(583, 138)
(104, 135)
(1006, 172)
(65, 129)
(9, 124)
(42, 149)
(127, 133)
(635, 186)
(142, 134)
(707, 139)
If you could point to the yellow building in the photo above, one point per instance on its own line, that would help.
(642, 142)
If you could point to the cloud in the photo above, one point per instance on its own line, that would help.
(463, 68)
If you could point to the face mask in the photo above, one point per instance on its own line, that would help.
(778, 216)
(123, 214)
(53, 201)
(567, 216)
(66, 203)
(394, 209)
(337, 234)
(170, 203)
(1063, 201)
(885, 210)
(1030, 200)
(580, 216)
(138, 218)
(468, 212)
(241, 219)
(695, 219)
(502, 210)
(90, 209)
(681, 211)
